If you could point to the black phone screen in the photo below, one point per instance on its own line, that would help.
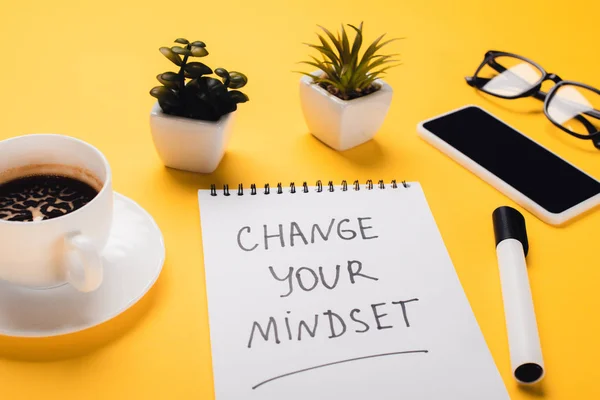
(534, 171)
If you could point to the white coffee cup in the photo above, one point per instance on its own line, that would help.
(43, 254)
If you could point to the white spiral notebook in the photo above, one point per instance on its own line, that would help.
(337, 292)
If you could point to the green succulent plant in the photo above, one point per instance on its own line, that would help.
(191, 92)
(345, 73)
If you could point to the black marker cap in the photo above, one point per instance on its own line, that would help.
(510, 224)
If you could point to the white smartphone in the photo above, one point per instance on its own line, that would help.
(537, 179)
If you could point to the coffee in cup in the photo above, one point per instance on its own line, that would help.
(56, 208)
(41, 192)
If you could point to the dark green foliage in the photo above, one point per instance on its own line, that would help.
(345, 73)
(190, 92)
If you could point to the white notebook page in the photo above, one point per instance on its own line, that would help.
(338, 295)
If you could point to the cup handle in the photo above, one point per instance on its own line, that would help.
(84, 264)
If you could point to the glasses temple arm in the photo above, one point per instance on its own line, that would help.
(593, 114)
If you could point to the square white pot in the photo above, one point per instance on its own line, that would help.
(190, 144)
(339, 123)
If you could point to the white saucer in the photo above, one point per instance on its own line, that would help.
(133, 258)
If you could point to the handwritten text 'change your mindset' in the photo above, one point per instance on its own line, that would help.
(305, 278)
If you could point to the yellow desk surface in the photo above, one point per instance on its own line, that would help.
(85, 68)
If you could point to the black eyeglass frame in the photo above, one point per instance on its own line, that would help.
(536, 92)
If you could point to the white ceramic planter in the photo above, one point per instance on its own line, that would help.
(190, 144)
(343, 124)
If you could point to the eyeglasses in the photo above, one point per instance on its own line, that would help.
(572, 106)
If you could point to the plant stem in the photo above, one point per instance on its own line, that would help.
(181, 70)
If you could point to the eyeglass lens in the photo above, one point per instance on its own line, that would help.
(575, 108)
(508, 76)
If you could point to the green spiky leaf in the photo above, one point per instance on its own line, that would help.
(326, 46)
(334, 58)
(373, 48)
(313, 77)
(333, 39)
(356, 45)
(377, 62)
(345, 47)
(337, 85)
(347, 73)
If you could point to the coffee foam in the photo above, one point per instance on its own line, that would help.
(68, 171)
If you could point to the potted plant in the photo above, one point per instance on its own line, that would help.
(345, 101)
(191, 120)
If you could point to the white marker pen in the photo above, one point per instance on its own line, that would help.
(523, 338)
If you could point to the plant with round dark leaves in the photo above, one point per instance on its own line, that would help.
(191, 92)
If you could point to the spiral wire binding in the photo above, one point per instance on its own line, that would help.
(319, 184)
